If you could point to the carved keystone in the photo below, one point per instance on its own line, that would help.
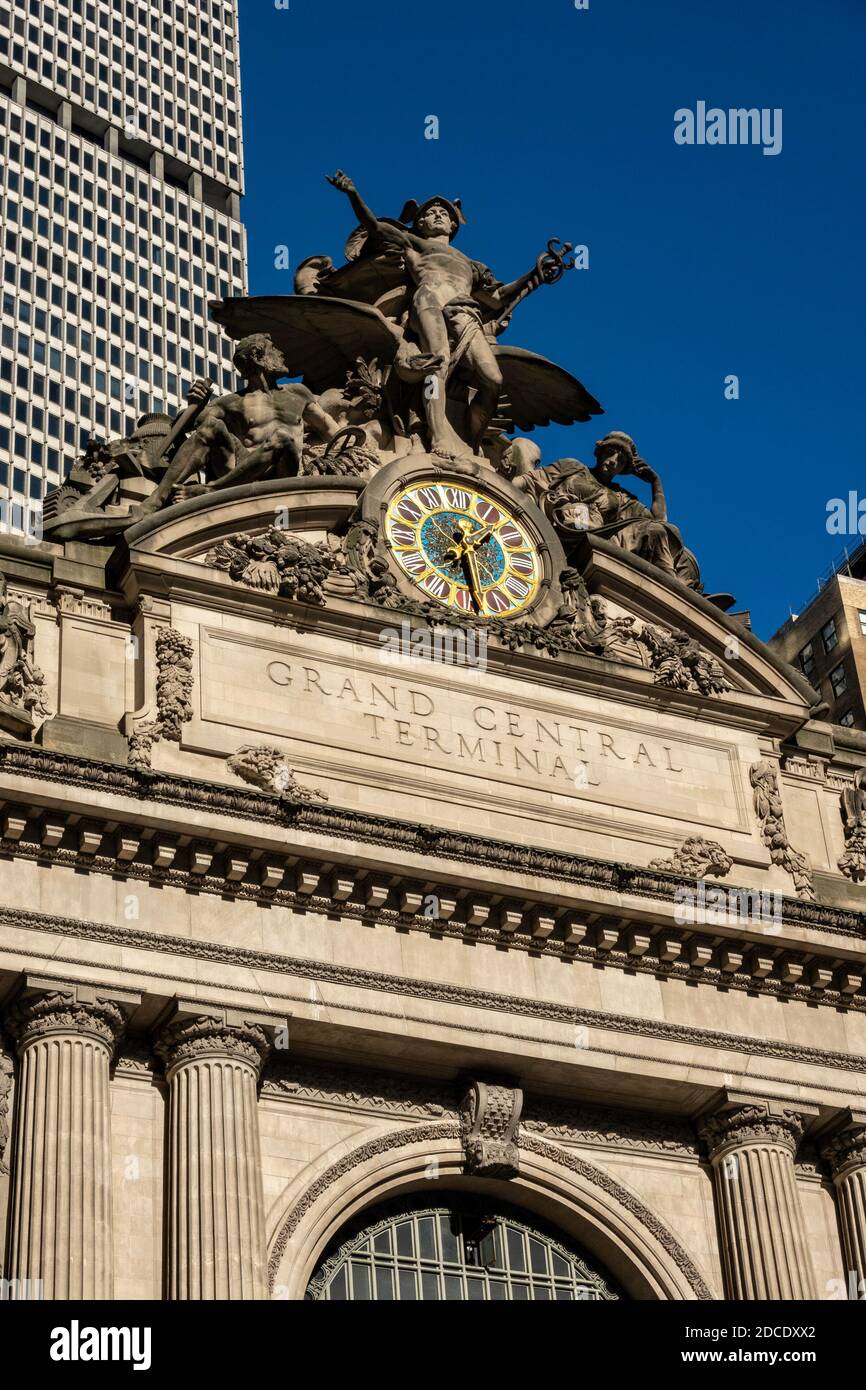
(489, 1123)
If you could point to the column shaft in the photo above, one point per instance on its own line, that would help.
(765, 1253)
(844, 1150)
(60, 1230)
(216, 1224)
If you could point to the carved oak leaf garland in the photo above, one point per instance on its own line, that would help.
(768, 808)
(173, 691)
(276, 561)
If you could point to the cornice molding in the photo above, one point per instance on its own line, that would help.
(693, 952)
(459, 995)
(630, 881)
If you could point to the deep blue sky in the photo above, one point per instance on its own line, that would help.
(704, 261)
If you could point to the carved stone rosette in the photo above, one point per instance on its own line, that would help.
(844, 1150)
(60, 1206)
(751, 1146)
(216, 1227)
(490, 1121)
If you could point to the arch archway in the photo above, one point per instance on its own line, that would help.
(452, 1246)
(623, 1238)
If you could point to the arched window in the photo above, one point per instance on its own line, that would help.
(467, 1249)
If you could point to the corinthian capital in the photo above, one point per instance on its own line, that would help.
(842, 1145)
(191, 1035)
(739, 1120)
(45, 1007)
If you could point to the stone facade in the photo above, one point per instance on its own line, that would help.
(304, 913)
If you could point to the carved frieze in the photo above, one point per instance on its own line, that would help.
(602, 1125)
(322, 1083)
(677, 660)
(275, 561)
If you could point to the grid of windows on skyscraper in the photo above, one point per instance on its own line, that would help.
(121, 149)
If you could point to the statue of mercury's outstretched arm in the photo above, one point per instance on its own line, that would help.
(446, 316)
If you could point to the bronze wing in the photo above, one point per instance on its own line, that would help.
(538, 392)
(320, 338)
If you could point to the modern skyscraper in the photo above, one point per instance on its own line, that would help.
(121, 149)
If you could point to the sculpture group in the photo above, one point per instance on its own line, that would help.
(399, 353)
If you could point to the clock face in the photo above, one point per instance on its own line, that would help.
(463, 549)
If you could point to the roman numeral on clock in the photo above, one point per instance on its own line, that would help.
(518, 588)
(402, 535)
(414, 561)
(436, 586)
(496, 602)
(430, 496)
(523, 564)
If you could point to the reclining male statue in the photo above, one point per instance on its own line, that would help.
(249, 435)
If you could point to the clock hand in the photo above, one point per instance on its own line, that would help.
(474, 581)
(476, 537)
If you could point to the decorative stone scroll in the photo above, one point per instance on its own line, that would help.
(490, 1120)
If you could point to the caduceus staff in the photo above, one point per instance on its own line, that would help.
(550, 267)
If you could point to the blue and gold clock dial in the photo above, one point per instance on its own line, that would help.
(463, 549)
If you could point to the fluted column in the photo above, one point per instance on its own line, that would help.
(843, 1147)
(60, 1232)
(216, 1225)
(751, 1145)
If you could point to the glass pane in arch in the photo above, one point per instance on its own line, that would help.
(461, 1249)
